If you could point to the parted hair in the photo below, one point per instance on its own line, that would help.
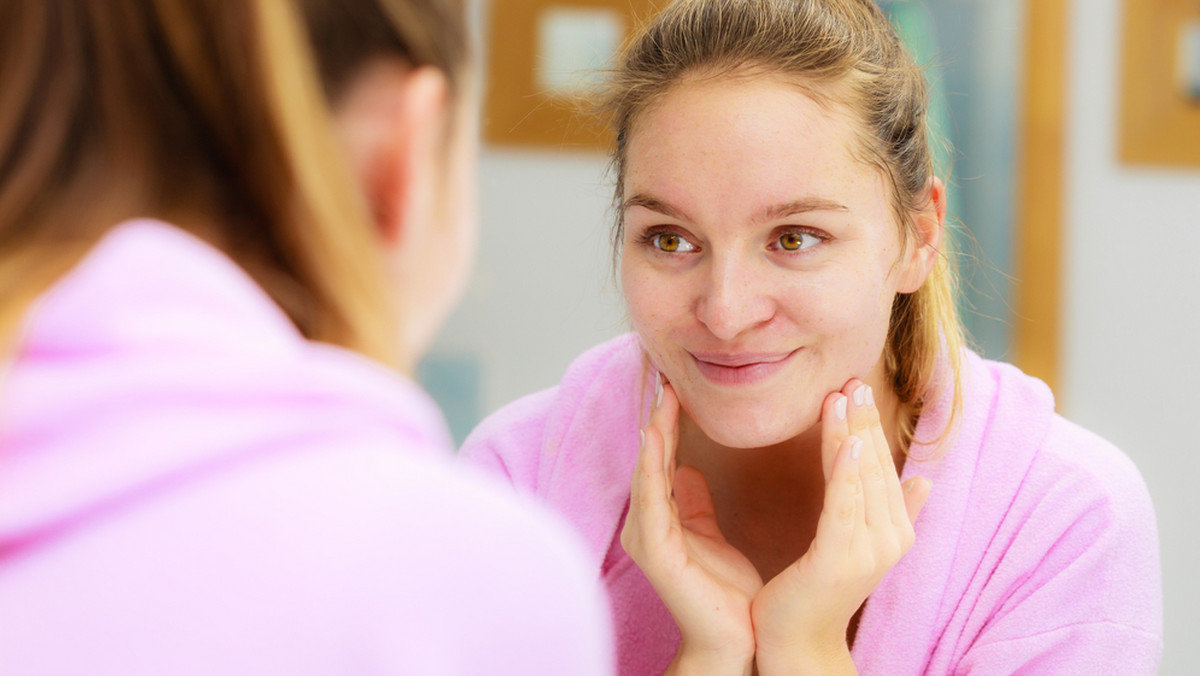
(839, 52)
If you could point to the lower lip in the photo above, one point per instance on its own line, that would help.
(742, 375)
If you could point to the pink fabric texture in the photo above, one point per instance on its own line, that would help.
(1036, 553)
(188, 486)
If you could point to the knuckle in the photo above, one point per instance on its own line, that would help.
(890, 553)
(865, 566)
(845, 513)
(874, 472)
(852, 482)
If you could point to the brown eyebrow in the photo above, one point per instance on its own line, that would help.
(801, 206)
(784, 210)
(653, 204)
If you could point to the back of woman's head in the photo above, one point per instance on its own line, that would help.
(205, 113)
(346, 35)
(840, 52)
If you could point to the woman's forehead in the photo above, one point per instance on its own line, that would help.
(757, 135)
(743, 113)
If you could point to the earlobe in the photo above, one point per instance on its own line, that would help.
(929, 227)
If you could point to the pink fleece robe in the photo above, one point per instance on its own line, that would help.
(1036, 553)
(188, 486)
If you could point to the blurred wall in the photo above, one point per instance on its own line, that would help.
(971, 52)
(542, 291)
(1132, 292)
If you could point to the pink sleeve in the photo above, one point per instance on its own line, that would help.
(508, 444)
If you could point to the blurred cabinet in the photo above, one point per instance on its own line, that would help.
(1160, 83)
(545, 58)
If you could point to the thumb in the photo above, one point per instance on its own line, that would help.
(916, 491)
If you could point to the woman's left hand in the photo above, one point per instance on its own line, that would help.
(866, 524)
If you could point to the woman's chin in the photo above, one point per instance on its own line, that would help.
(751, 430)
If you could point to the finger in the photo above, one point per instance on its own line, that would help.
(862, 420)
(630, 532)
(650, 498)
(896, 497)
(833, 430)
(665, 419)
(842, 511)
(869, 424)
(887, 459)
(635, 484)
(916, 492)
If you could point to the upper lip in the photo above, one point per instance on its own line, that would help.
(735, 359)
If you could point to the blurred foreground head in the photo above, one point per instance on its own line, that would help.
(211, 115)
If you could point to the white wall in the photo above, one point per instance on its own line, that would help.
(1133, 314)
(542, 292)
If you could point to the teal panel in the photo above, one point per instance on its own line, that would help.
(454, 383)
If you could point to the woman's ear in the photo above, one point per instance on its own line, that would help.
(929, 226)
(392, 122)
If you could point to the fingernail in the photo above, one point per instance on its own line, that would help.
(860, 395)
(658, 390)
(839, 408)
(642, 443)
(870, 396)
(855, 447)
(909, 486)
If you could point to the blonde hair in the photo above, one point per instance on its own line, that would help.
(840, 51)
(206, 113)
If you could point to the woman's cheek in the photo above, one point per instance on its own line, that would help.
(648, 317)
(852, 319)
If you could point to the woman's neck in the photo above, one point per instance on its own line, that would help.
(768, 499)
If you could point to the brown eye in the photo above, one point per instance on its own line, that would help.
(668, 242)
(797, 240)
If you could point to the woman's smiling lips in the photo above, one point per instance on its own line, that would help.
(742, 368)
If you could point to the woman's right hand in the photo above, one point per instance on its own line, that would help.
(671, 533)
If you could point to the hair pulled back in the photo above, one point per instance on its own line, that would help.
(840, 52)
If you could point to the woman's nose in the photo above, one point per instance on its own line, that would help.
(736, 298)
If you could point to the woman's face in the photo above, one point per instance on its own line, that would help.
(759, 258)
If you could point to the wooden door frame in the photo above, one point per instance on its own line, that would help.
(1041, 208)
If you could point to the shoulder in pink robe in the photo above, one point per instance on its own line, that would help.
(188, 486)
